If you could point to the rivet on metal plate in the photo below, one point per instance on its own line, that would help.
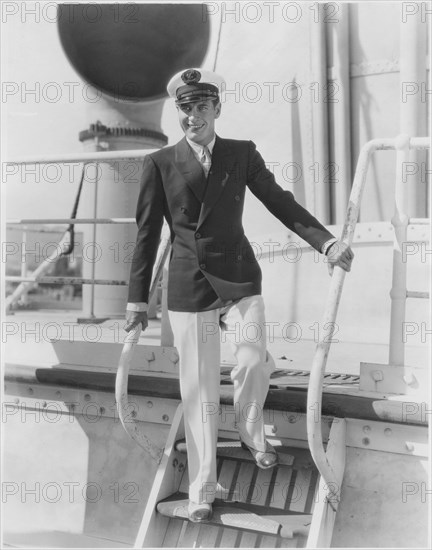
(377, 375)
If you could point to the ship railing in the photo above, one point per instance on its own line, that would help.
(399, 293)
(27, 282)
(329, 469)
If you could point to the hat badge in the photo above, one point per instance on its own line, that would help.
(191, 76)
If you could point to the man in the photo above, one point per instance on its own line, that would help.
(214, 282)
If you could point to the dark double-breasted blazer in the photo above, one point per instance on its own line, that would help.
(212, 261)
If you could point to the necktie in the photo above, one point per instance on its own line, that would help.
(205, 159)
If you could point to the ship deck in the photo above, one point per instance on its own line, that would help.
(29, 332)
(38, 375)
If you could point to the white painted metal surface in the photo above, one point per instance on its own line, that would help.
(399, 272)
(339, 111)
(320, 196)
(96, 156)
(61, 280)
(74, 221)
(413, 108)
(394, 380)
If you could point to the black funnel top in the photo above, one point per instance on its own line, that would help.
(130, 51)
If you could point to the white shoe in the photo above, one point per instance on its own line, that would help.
(199, 512)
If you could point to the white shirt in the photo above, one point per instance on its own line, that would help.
(198, 149)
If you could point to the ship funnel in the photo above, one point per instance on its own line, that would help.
(130, 51)
(126, 53)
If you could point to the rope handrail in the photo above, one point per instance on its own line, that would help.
(314, 397)
(131, 339)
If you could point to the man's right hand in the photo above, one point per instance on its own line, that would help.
(133, 318)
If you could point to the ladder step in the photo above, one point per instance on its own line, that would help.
(417, 294)
(230, 448)
(270, 521)
(419, 221)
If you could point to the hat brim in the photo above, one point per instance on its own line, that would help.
(207, 78)
(196, 98)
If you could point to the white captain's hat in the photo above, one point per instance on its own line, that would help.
(191, 85)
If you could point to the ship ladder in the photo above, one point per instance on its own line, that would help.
(253, 508)
(262, 508)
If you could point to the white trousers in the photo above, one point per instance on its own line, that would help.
(197, 338)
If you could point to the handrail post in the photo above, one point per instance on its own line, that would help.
(93, 271)
(399, 274)
(314, 397)
(24, 296)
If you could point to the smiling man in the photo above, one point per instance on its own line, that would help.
(198, 120)
(214, 284)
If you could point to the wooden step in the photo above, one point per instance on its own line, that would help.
(251, 518)
(277, 494)
(229, 448)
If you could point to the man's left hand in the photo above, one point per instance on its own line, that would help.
(340, 254)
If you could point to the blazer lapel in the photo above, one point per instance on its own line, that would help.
(223, 160)
(190, 168)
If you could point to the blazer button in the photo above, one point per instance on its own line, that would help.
(197, 235)
(237, 197)
(239, 257)
(202, 266)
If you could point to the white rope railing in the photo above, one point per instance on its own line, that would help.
(122, 377)
(314, 398)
